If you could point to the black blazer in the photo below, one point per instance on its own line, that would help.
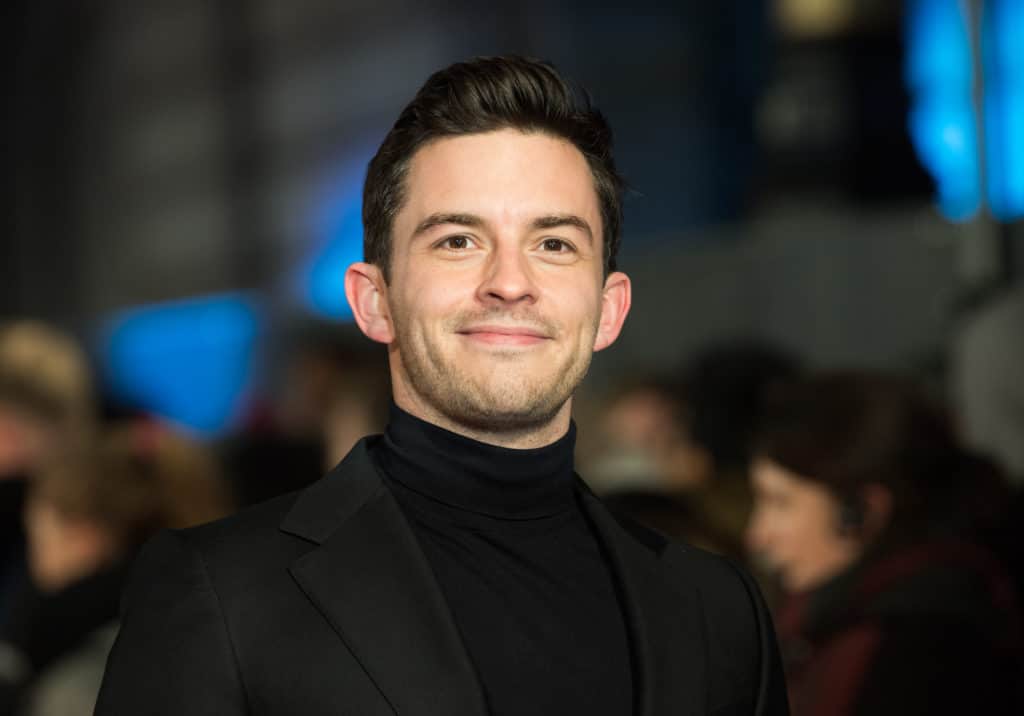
(321, 602)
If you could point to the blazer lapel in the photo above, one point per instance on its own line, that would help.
(664, 618)
(371, 581)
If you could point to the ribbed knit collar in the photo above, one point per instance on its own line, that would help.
(469, 475)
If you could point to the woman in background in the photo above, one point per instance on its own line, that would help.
(85, 516)
(866, 510)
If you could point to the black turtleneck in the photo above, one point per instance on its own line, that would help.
(520, 567)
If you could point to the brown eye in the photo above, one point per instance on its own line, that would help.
(456, 242)
(555, 245)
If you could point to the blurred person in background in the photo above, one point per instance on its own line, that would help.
(328, 365)
(334, 391)
(455, 565)
(867, 510)
(46, 406)
(86, 514)
(690, 438)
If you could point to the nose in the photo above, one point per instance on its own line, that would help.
(508, 278)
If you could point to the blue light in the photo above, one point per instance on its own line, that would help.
(338, 232)
(942, 124)
(938, 47)
(189, 361)
(1003, 53)
(945, 138)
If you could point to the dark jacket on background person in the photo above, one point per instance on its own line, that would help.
(322, 602)
(61, 640)
(929, 628)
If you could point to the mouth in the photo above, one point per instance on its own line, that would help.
(504, 335)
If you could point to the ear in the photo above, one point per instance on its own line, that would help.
(616, 298)
(366, 292)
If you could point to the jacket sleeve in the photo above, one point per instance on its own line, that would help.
(771, 698)
(173, 654)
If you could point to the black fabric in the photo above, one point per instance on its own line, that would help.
(520, 568)
(41, 628)
(322, 603)
(13, 570)
(46, 626)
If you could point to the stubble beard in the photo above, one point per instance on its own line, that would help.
(506, 398)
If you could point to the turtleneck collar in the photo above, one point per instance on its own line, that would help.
(476, 477)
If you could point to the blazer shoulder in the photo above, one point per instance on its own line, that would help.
(742, 645)
(742, 650)
(245, 524)
(248, 540)
(259, 542)
(712, 574)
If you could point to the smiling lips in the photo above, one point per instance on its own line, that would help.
(505, 335)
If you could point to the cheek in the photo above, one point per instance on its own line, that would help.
(776, 532)
(579, 311)
(787, 537)
(807, 533)
(815, 552)
(45, 541)
(421, 305)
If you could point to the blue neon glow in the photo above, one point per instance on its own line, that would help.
(188, 361)
(1003, 57)
(942, 124)
(938, 52)
(338, 241)
(945, 137)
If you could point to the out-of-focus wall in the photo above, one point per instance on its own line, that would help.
(199, 139)
(837, 285)
(207, 126)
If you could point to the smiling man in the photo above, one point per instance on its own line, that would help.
(456, 566)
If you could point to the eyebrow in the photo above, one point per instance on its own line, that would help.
(553, 221)
(549, 221)
(438, 219)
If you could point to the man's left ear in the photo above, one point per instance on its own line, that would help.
(615, 301)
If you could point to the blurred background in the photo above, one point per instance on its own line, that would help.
(842, 177)
(814, 185)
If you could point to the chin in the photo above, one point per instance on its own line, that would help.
(501, 411)
(505, 417)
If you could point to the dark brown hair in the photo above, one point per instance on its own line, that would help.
(483, 95)
(848, 430)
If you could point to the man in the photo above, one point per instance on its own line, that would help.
(455, 566)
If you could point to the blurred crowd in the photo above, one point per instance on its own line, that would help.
(881, 523)
(85, 482)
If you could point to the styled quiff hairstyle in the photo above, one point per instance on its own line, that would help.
(487, 94)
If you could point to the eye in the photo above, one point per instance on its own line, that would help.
(558, 246)
(455, 243)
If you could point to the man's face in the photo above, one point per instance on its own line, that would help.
(496, 297)
(795, 528)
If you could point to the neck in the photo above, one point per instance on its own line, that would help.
(524, 437)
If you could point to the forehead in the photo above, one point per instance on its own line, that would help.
(504, 176)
